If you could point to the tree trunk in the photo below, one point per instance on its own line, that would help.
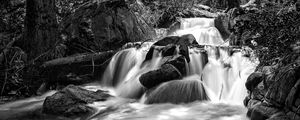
(40, 32)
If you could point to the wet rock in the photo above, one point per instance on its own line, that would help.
(102, 26)
(179, 63)
(253, 80)
(166, 73)
(264, 111)
(72, 100)
(182, 41)
(246, 100)
(176, 92)
(169, 50)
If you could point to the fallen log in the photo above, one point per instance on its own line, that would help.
(101, 56)
(78, 69)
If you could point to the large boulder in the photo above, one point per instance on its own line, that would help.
(166, 73)
(72, 100)
(179, 63)
(265, 111)
(292, 102)
(182, 41)
(104, 26)
(176, 92)
(284, 81)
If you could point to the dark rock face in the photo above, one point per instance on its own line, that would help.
(166, 73)
(72, 100)
(277, 94)
(182, 41)
(264, 111)
(179, 63)
(284, 80)
(169, 50)
(104, 26)
(253, 80)
(177, 91)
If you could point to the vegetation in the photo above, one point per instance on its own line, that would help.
(271, 31)
(20, 74)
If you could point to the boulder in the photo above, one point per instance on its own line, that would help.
(182, 41)
(297, 5)
(72, 100)
(169, 50)
(284, 80)
(176, 92)
(264, 111)
(293, 99)
(179, 63)
(253, 80)
(166, 73)
(102, 26)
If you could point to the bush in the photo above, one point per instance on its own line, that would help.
(274, 29)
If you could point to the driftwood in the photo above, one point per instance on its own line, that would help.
(102, 56)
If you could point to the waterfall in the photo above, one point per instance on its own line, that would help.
(215, 76)
(126, 67)
(222, 70)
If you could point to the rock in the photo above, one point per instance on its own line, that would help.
(176, 92)
(183, 41)
(280, 117)
(293, 116)
(72, 100)
(222, 24)
(259, 92)
(297, 5)
(166, 73)
(169, 50)
(253, 80)
(264, 111)
(104, 26)
(246, 100)
(284, 81)
(179, 63)
(293, 99)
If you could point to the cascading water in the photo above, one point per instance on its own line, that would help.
(215, 71)
(126, 67)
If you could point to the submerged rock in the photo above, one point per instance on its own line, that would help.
(166, 73)
(177, 91)
(72, 100)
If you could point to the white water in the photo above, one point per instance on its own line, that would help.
(223, 76)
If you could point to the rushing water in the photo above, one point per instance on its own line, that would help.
(217, 72)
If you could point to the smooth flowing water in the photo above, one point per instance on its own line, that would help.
(219, 71)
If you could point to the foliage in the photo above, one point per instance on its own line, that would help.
(18, 75)
(271, 31)
(162, 13)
